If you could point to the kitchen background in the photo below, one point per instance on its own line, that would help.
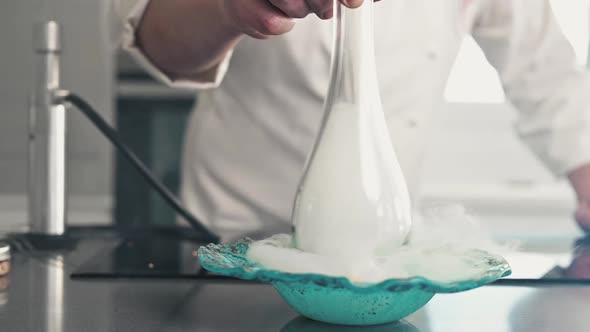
(475, 158)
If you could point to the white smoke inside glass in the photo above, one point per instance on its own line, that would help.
(442, 246)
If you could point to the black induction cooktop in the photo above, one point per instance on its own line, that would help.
(172, 254)
(539, 265)
(158, 253)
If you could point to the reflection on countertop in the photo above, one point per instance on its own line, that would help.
(302, 324)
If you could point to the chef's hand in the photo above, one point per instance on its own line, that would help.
(187, 38)
(264, 18)
(580, 179)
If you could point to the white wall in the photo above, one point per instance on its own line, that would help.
(87, 69)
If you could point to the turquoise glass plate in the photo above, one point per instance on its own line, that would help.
(336, 299)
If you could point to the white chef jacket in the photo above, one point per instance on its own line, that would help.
(259, 113)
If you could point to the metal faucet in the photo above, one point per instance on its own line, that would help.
(47, 137)
(47, 144)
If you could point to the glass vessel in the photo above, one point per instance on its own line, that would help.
(352, 199)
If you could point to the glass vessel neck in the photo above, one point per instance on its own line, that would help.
(354, 74)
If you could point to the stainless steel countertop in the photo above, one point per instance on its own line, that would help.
(41, 297)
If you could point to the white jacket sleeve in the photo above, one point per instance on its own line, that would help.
(129, 13)
(537, 67)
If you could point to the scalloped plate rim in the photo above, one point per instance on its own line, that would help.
(259, 273)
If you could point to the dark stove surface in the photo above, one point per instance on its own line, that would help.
(173, 255)
(150, 255)
(551, 261)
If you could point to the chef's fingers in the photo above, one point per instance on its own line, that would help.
(259, 19)
(322, 8)
(583, 216)
(352, 3)
(292, 8)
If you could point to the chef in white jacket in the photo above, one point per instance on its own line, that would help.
(264, 67)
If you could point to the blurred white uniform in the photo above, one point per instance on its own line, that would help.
(249, 137)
